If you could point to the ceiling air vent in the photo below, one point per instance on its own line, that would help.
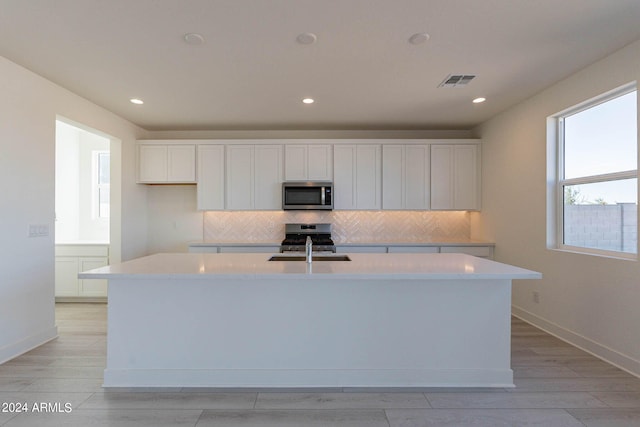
(455, 80)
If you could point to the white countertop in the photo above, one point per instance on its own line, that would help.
(82, 243)
(456, 242)
(199, 266)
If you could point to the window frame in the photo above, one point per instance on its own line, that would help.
(96, 186)
(557, 126)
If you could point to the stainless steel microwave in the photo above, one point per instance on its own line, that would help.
(307, 195)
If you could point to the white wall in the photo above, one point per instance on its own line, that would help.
(67, 196)
(591, 301)
(29, 105)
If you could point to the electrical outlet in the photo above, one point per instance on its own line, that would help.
(38, 230)
(535, 296)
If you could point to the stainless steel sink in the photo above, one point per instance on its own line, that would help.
(315, 258)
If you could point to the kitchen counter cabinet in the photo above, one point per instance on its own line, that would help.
(239, 320)
(72, 258)
(246, 248)
(479, 249)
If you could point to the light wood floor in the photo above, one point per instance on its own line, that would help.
(557, 385)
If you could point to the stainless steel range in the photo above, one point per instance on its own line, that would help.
(296, 236)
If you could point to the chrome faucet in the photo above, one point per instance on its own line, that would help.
(309, 250)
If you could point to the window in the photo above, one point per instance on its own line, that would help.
(101, 187)
(597, 187)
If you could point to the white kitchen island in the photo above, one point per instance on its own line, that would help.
(239, 320)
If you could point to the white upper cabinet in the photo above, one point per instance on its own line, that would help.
(268, 177)
(239, 182)
(308, 162)
(455, 177)
(253, 177)
(357, 177)
(166, 163)
(211, 177)
(405, 177)
(383, 174)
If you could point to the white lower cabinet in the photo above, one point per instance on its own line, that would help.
(414, 249)
(73, 259)
(66, 277)
(479, 251)
(361, 249)
(485, 251)
(475, 250)
(249, 249)
(92, 288)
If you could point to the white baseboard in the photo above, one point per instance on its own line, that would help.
(308, 378)
(15, 349)
(596, 349)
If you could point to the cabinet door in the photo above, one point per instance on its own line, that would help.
(210, 177)
(268, 177)
(442, 177)
(361, 249)
(393, 177)
(250, 249)
(344, 180)
(152, 163)
(204, 249)
(416, 177)
(414, 249)
(66, 276)
(181, 163)
(466, 178)
(320, 162)
(479, 251)
(455, 177)
(308, 162)
(357, 177)
(239, 174)
(92, 287)
(295, 162)
(368, 177)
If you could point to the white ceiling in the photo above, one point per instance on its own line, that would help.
(251, 74)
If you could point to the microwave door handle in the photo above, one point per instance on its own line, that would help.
(322, 196)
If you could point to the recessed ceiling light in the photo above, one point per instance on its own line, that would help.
(306, 38)
(308, 100)
(136, 101)
(419, 38)
(479, 100)
(193, 38)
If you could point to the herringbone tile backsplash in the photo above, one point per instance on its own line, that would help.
(348, 226)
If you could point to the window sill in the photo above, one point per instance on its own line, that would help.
(595, 252)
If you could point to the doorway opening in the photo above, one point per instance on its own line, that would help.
(82, 186)
(87, 216)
